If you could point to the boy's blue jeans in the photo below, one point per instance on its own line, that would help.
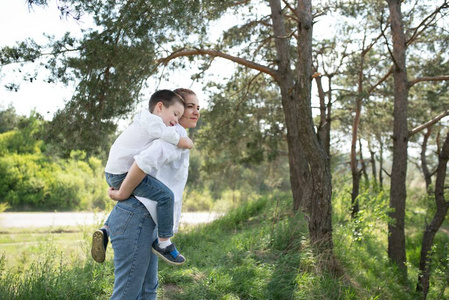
(132, 232)
(155, 190)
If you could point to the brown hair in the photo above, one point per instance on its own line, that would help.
(167, 97)
(184, 93)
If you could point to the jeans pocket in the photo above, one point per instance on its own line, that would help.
(119, 220)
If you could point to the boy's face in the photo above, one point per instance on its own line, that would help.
(170, 115)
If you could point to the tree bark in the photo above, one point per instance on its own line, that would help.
(309, 165)
(362, 163)
(398, 193)
(373, 164)
(431, 229)
(299, 172)
(324, 128)
(424, 166)
(356, 174)
(320, 186)
(381, 164)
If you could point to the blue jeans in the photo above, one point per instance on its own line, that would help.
(132, 232)
(155, 190)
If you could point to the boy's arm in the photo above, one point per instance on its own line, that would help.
(169, 134)
(132, 180)
(185, 143)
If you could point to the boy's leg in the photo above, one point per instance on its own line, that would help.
(99, 244)
(155, 190)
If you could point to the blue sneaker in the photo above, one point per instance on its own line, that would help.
(99, 244)
(170, 254)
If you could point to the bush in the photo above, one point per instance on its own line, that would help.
(197, 201)
(32, 181)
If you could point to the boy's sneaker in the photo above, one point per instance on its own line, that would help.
(99, 244)
(169, 255)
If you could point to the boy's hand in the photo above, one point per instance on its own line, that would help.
(116, 195)
(185, 143)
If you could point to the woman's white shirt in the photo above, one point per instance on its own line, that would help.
(170, 165)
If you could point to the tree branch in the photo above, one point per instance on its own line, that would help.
(434, 78)
(426, 23)
(428, 124)
(292, 9)
(390, 71)
(239, 2)
(385, 171)
(216, 53)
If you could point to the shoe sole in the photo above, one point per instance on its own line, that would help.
(166, 259)
(98, 252)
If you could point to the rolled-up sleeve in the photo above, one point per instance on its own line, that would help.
(169, 134)
(157, 154)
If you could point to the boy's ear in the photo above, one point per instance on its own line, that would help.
(158, 106)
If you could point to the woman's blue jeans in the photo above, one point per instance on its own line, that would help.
(155, 190)
(132, 232)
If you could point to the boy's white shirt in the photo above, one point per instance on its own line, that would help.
(130, 146)
(171, 167)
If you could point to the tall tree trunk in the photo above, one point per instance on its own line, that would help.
(398, 193)
(373, 165)
(327, 145)
(308, 161)
(356, 174)
(362, 163)
(355, 171)
(424, 165)
(299, 171)
(324, 129)
(319, 206)
(431, 229)
(381, 164)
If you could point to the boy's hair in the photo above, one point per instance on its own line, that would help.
(167, 97)
(184, 92)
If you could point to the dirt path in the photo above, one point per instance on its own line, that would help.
(47, 219)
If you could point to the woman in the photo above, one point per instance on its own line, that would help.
(132, 230)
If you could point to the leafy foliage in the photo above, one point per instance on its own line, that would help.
(30, 179)
(8, 119)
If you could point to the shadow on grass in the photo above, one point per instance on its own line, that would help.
(258, 251)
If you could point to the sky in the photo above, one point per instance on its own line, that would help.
(18, 22)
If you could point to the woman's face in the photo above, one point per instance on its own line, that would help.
(191, 112)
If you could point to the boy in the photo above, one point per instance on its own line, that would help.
(128, 155)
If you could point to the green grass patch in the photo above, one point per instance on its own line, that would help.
(52, 265)
(258, 251)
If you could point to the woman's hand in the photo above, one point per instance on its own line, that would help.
(116, 195)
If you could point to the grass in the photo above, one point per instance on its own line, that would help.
(21, 246)
(257, 251)
(50, 264)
